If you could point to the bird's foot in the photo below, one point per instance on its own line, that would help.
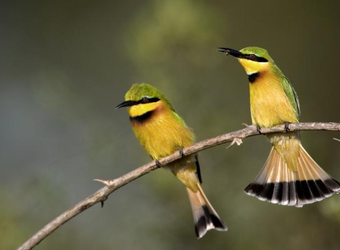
(287, 126)
(258, 128)
(158, 164)
(181, 152)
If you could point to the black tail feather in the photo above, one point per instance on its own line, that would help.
(208, 220)
(278, 184)
(294, 193)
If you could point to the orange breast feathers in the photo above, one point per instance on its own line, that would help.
(269, 103)
(159, 130)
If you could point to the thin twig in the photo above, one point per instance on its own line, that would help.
(102, 194)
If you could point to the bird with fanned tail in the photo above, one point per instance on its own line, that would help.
(289, 176)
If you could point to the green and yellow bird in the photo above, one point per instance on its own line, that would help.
(289, 176)
(161, 132)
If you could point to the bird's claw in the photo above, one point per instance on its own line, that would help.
(181, 152)
(287, 126)
(158, 164)
(258, 128)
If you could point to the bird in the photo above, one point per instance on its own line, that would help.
(289, 176)
(161, 132)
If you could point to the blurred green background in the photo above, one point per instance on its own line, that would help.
(65, 65)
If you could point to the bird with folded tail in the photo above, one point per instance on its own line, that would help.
(289, 176)
(161, 132)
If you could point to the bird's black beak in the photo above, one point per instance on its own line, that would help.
(231, 52)
(126, 104)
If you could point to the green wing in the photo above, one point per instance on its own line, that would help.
(292, 95)
(178, 118)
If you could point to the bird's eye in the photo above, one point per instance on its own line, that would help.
(145, 100)
(253, 57)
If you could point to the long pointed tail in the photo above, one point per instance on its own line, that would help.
(205, 217)
(277, 184)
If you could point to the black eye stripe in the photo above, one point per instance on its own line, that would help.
(155, 99)
(255, 58)
(145, 100)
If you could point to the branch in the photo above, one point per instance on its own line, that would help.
(102, 194)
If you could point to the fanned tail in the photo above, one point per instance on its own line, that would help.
(205, 217)
(278, 184)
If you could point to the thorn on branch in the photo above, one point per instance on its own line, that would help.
(238, 142)
(336, 139)
(102, 201)
(106, 182)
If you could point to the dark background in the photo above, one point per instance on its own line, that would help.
(65, 65)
